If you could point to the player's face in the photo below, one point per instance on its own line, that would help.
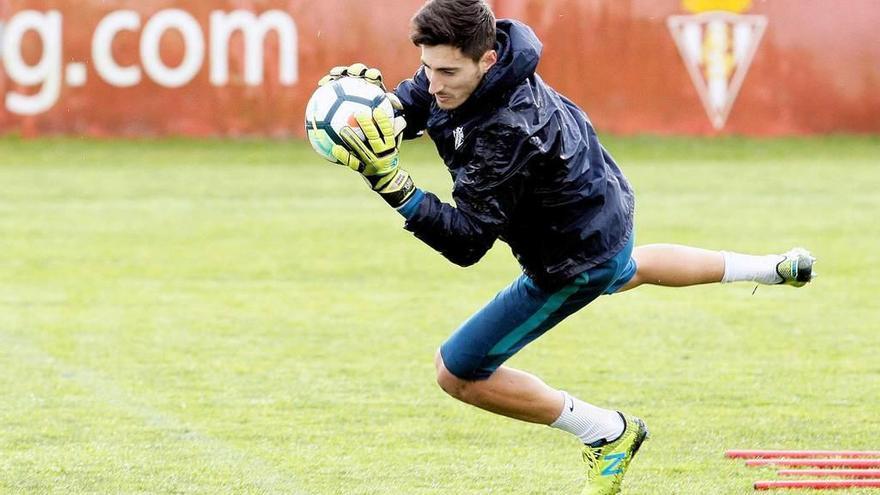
(453, 75)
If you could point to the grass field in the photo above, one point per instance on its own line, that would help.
(215, 317)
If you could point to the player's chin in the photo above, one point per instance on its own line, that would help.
(447, 103)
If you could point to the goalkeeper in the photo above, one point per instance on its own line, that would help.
(528, 169)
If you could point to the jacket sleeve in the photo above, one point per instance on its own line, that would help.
(413, 94)
(486, 191)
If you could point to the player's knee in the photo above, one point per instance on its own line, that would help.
(451, 384)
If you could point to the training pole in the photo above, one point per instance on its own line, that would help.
(837, 473)
(817, 484)
(799, 454)
(822, 463)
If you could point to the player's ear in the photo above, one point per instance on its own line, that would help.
(488, 60)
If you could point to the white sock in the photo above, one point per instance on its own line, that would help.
(588, 422)
(748, 268)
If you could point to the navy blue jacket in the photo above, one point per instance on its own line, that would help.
(527, 169)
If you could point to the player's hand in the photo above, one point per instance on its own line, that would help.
(377, 157)
(371, 74)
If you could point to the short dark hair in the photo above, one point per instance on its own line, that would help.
(468, 25)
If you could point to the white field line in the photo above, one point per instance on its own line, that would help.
(254, 471)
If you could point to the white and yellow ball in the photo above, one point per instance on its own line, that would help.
(333, 106)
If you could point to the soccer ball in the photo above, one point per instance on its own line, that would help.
(332, 107)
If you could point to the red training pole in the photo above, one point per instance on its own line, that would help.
(826, 463)
(837, 473)
(817, 484)
(799, 454)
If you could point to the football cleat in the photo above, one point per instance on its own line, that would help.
(796, 267)
(607, 461)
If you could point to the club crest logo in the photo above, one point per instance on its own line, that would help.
(458, 137)
(717, 45)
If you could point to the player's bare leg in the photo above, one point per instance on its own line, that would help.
(673, 265)
(508, 392)
(523, 396)
(610, 438)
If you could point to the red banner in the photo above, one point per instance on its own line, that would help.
(713, 66)
(239, 67)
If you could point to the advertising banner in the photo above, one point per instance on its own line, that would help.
(247, 68)
(184, 67)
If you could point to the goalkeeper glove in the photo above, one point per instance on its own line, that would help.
(377, 159)
(370, 74)
(373, 76)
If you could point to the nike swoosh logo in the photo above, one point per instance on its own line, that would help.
(571, 407)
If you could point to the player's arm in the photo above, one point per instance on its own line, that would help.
(486, 193)
(461, 236)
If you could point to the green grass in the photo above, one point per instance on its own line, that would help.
(215, 317)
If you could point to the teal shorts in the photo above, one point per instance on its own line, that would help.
(522, 312)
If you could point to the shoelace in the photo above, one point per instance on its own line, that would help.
(591, 458)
